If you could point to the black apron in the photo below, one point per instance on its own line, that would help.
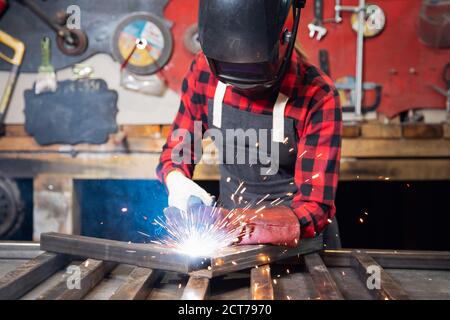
(256, 183)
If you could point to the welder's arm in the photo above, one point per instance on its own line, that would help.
(278, 226)
(177, 161)
(317, 166)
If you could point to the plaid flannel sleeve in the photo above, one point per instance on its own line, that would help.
(178, 152)
(317, 165)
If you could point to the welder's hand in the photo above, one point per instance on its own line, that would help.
(277, 226)
(182, 189)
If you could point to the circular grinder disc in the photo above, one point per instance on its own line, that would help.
(145, 40)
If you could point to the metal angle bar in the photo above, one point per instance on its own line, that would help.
(141, 255)
(323, 281)
(18, 246)
(19, 255)
(19, 250)
(421, 260)
(244, 257)
(388, 288)
(138, 285)
(91, 272)
(197, 288)
(261, 287)
(21, 280)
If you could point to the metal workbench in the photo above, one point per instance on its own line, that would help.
(28, 273)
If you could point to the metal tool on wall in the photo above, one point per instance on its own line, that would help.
(324, 62)
(143, 44)
(316, 28)
(434, 23)
(16, 60)
(191, 40)
(375, 21)
(360, 10)
(72, 42)
(98, 21)
(46, 81)
(445, 92)
(347, 94)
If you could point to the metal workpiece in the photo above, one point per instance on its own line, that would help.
(19, 250)
(326, 275)
(324, 283)
(153, 256)
(237, 258)
(385, 288)
(141, 255)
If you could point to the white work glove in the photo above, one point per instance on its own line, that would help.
(181, 189)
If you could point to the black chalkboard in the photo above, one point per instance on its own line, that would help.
(81, 111)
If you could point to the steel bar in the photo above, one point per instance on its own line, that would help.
(368, 270)
(360, 58)
(19, 250)
(244, 257)
(323, 281)
(138, 285)
(18, 282)
(91, 272)
(197, 288)
(141, 255)
(261, 287)
(426, 260)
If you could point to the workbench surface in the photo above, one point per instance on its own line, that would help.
(405, 275)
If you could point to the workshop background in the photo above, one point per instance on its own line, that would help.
(84, 115)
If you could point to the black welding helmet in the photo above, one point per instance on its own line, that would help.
(249, 43)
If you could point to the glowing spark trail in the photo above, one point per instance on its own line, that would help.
(200, 231)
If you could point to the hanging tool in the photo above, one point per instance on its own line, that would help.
(191, 41)
(445, 93)
(316, 28)
(19, 50)
(71, 42)
(347, 94)
(374, 21)
(324, 62)
(46, 81)
(360, 10)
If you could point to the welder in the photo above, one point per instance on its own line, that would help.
(249, 76)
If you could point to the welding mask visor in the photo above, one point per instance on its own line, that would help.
(249, 43)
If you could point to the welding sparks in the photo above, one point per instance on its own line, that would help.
(200, 231)
(302, 154)
(144, 234)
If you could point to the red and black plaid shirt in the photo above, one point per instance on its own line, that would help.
(313, 104)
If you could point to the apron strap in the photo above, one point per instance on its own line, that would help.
(278, 111)
(278, 118)
(218, 100)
